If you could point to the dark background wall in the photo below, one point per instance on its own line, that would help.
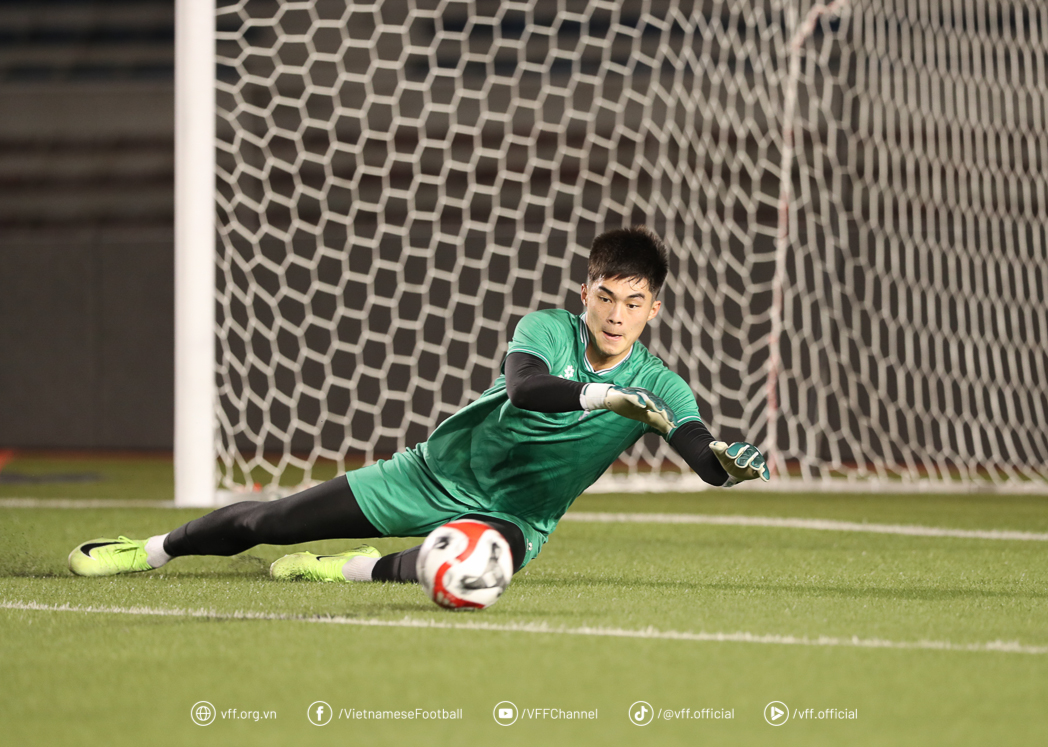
(86, 211)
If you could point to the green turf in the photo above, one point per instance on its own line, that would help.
(83, 679)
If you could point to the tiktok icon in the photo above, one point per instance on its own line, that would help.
(319, 713)
(641, 713)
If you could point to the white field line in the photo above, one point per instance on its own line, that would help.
(789, 523)
(632, 518)
(1008, 647)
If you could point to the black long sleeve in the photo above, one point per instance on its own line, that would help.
(692, 441)
(530, 386)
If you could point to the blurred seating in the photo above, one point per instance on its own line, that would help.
(86, 135)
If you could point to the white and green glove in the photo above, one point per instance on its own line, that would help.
(629, 402)
(742, 461)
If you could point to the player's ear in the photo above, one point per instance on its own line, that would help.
(655, 306)
(585, 293)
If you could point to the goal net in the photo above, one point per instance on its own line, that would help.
(852, 196)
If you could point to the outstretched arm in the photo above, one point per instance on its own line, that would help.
(692, 441)
(715, 461)
(531, 386)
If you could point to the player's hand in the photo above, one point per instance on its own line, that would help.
(742, 461)
(630, 402)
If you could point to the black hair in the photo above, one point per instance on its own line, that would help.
(625, 253)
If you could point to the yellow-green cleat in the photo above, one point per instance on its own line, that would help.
(306, 566)
(108, 557)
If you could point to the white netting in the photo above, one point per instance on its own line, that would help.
(400, 182)
(915, 276)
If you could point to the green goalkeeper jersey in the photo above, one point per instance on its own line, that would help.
(530, 465)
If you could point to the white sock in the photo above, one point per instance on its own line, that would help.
(155, 554)
(359, 568)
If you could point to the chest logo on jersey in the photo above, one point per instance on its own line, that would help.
(569, 373)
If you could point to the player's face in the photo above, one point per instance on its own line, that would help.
(616, 311)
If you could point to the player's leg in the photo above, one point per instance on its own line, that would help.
(400, 567)
(326, 511)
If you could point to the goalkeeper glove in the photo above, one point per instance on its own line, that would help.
(629, 402)
(742, 461)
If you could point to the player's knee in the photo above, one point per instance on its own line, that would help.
(258, 521)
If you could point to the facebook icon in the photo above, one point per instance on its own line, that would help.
(319, 713)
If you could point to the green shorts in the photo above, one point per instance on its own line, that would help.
(403, 498)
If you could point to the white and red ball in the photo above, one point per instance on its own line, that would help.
(465, 565)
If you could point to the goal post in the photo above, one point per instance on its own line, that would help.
(195, 391)
(852, 195)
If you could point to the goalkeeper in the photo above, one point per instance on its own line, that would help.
(576, 391)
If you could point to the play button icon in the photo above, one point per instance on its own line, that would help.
(776, 713)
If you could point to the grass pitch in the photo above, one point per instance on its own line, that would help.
(928, 640)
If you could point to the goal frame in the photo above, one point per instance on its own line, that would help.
(196, 389)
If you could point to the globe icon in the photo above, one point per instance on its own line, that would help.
(203, 713)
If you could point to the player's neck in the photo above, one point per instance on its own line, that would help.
(599, 362)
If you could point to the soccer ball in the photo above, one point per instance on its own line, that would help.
(465, 565)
